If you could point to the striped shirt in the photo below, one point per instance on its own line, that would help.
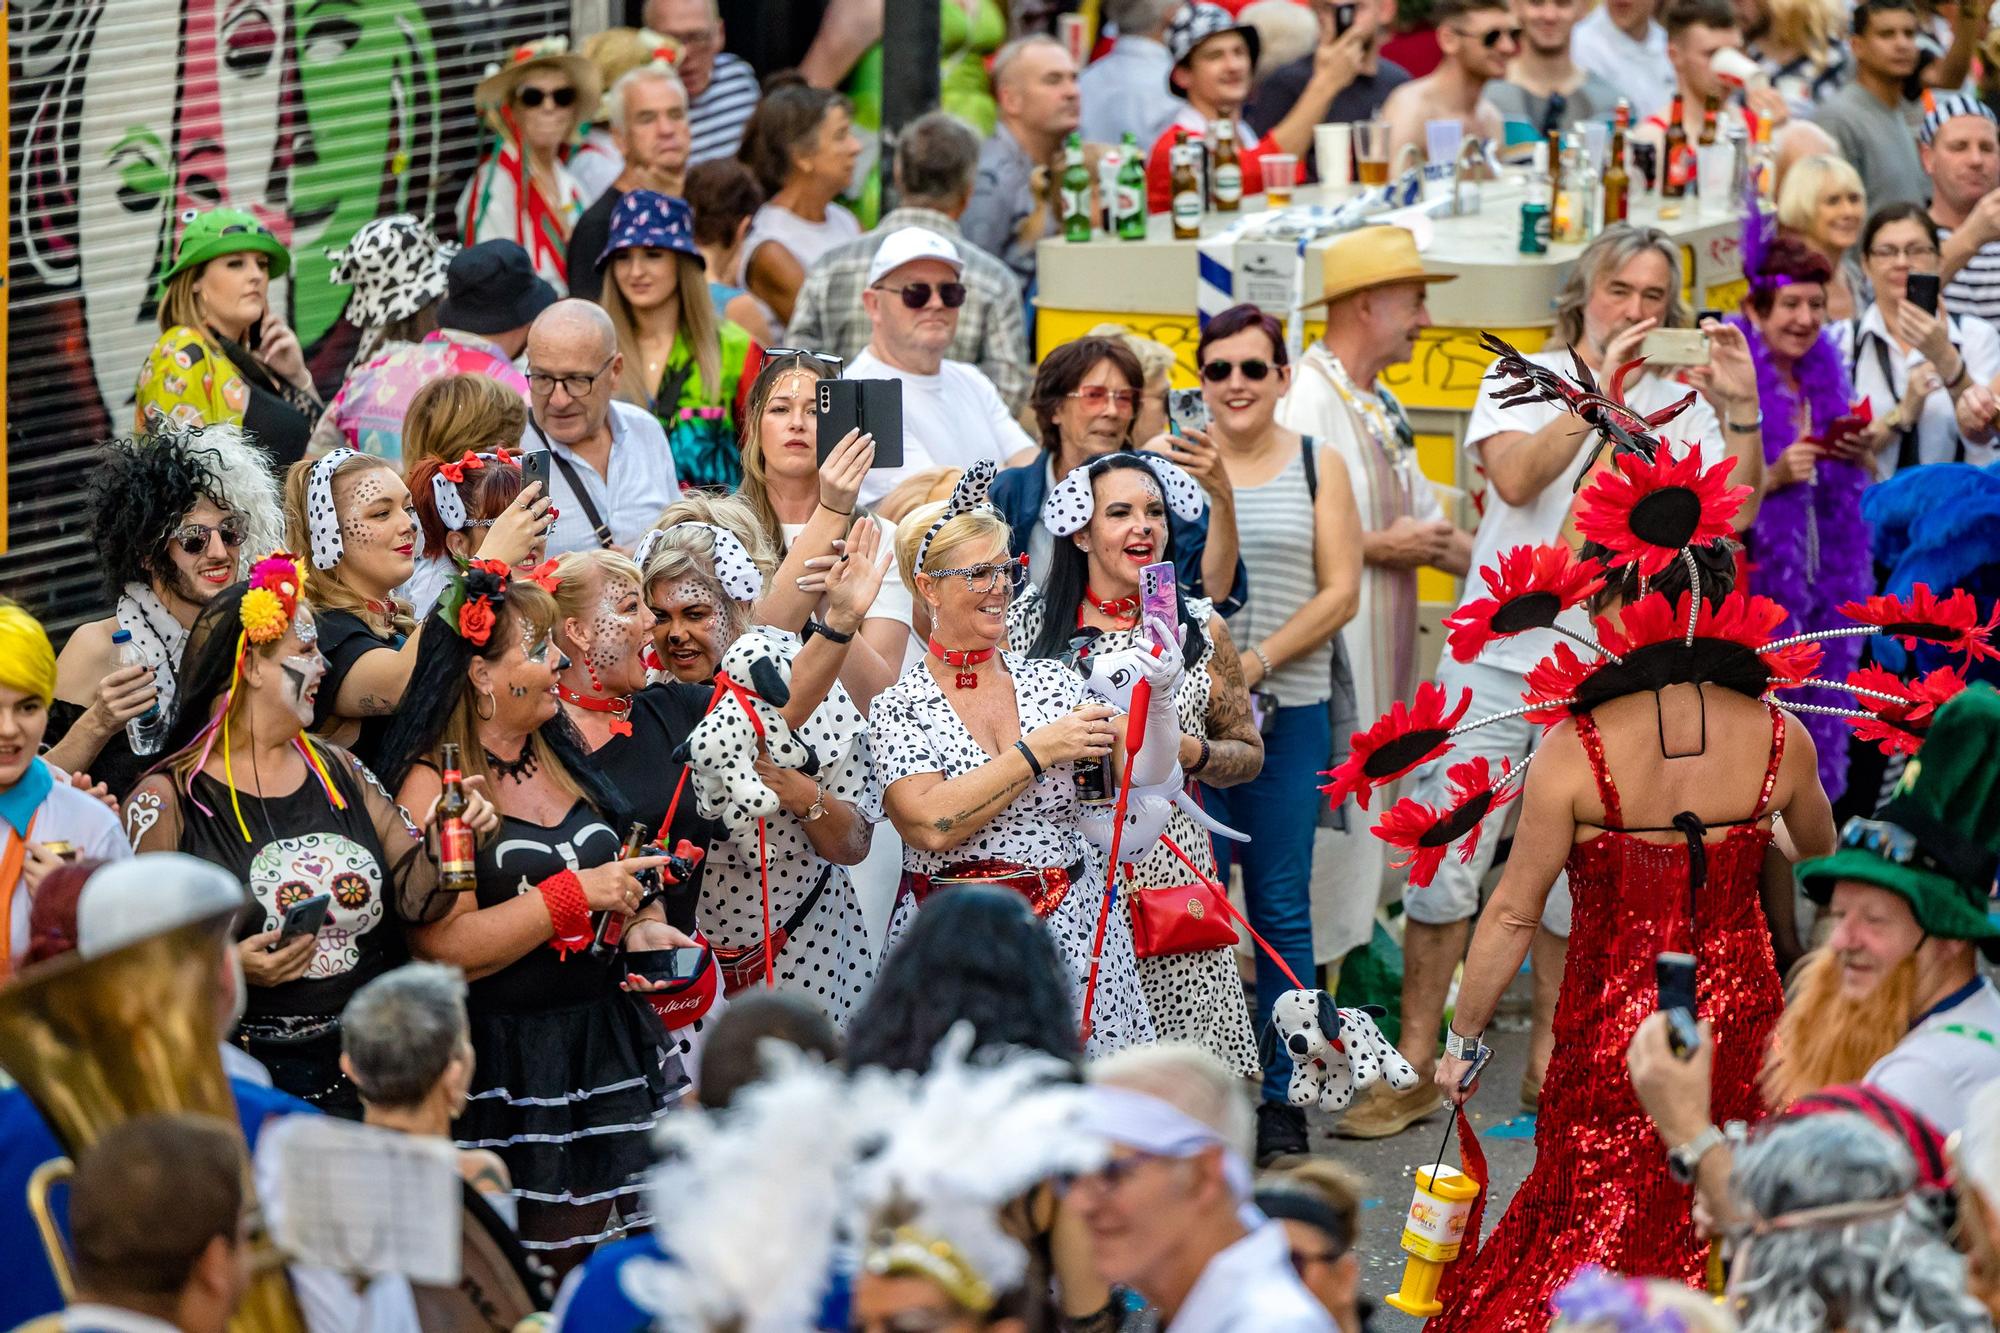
(1975, 289)
(717, 117)
(1275, 534)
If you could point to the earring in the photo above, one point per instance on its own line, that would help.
(492, 705)
(596, 687)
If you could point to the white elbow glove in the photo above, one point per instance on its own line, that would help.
(1159, 758)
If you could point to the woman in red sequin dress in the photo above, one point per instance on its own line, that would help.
(1659, 803)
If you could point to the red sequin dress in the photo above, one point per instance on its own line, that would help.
(1600, 1192)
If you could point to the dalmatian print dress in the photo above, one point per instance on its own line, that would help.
(915, 730)
(826, 959)
(1193, 997)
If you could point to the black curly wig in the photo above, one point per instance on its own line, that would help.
(143, 486)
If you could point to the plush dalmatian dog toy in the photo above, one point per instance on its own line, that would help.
(1335, 1052)
(721, 752)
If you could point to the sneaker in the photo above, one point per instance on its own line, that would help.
(1281, 1132)
(1384, 1113)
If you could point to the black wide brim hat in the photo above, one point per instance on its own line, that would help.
(491, 288)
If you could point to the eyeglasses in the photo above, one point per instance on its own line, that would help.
(985, 578)
(576, 386)
(1095, 396)
(699, 40)
(1304, 1260)
(824, 358)
(532, 97)
(193, 537)
(1108, 1177)
(1913, 253)
(1255, 369)
(1491, 39)
(917, 295)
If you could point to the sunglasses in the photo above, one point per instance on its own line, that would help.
(985, 578)
(1491, 39)
(824, 358)
(1253, 368)
(562, 97)
(917, 295)
(1094, 396)
(193, 537)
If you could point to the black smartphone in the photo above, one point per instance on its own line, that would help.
(1343, 19)
(253, 337)
(1705, 314)
(304, 917)
(535, 467)
(872, 406)
(1675, 974)
(678, 964)
(1921, 291)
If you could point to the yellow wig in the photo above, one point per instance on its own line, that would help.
(27, 658)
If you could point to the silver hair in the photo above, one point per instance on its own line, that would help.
(246, 486)
(651, 72)
(1892, 1273)
(1611, 251)
(1189, 1079)
(1003, 60)
(400, 1032)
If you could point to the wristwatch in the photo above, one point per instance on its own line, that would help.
(1682, 1162)
(818, 808)
(1463, 1048)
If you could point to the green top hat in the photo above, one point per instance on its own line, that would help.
(224, 231)
(1936, 842)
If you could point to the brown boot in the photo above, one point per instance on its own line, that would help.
(1383, 1112)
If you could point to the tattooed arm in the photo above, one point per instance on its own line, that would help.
(936, 813)
(1235, 750)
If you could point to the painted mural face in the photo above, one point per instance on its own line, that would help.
(344, 47)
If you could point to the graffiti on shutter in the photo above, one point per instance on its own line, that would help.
(317, 115)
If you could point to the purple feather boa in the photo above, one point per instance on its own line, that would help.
(1780, 539)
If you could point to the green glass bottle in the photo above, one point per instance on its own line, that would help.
(1129, 210)
(1075, 192)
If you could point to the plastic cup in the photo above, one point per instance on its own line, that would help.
(1281, 173)
(1714, 165)
(1333, 151)
(1371, 151)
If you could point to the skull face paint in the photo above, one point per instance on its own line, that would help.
(302, 673)
(695, 622)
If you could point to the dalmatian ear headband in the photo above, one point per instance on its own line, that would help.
(322, 524)
(968, 495)
(733, 566)
(446, 480)
(1072, 502)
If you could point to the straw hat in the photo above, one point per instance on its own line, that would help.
(496, 91)
(1370, 257)
(616, 52)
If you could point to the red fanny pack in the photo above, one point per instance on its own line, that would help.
(743, 968)
(1044, 889)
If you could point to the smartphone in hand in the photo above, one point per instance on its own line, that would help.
(1156, 595)
(874, 407)
(1187, 410)
(1675, 974)
(304, 917)
(1921, 291)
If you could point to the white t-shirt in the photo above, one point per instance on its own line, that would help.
(894, 601)
(1251, 1285)
(1506, 526)
(806, 240)
(951, 419)
(1937, 423)
(1639, 70)
(1947, 1058)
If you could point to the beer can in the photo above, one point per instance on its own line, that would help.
(1534, 229)
(1093, 781)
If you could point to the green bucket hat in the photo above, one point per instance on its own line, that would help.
(1936, 841)
(224, 231)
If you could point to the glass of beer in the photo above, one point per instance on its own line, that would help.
(1281, 173)
(1371, 151)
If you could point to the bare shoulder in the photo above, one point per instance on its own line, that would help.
(484, 1171)
(86, 659)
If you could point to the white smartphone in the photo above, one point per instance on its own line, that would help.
(1675, 347)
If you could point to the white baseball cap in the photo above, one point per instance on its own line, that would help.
(909, 244)
(150, 894)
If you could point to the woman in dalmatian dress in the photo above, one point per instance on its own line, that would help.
(1109, 520)
(243, 788)
(974, 750)
(703, 570)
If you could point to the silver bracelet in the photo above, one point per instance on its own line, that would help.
(1462, 1048)
(1262, 660)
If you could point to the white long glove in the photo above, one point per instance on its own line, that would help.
(1159, 759)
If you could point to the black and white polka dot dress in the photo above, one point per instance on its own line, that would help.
(913, 729)
(1195, 997)
(826, 959)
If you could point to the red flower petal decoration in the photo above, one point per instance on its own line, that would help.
(499, 569)
(1645, 512)
(1553, 681)
(1401, 739)
(1427, 833)
(1742, 619)
(1952, 620)
(1531, 586)
(1899, 728)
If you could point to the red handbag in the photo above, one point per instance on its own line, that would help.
(1182, 918)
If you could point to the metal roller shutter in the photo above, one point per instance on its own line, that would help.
(318, 114)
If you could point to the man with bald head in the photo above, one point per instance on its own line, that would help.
(612, 471)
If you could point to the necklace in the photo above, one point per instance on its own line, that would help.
(964, 659)
(518, 769)
(620, 708)
(1117, 608)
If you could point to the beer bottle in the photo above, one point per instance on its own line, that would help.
(1678, 168)
(456, 871)
(1186, 189)
(1128, 210)
(1075, 191)
(1711, 108)
(1617, 181)
(1225, 171)
(611, 924)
